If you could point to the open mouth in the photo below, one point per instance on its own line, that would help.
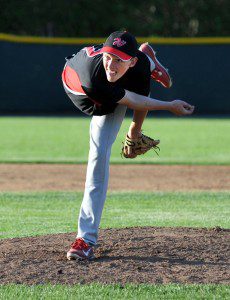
(111, 73)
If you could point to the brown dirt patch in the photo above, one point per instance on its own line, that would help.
(44, 177)
(130, 255)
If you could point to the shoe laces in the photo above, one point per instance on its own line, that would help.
(157, 73)
(154, 147)
(80, 244)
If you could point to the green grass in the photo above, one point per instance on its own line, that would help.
(28, 214)
(65, 140)
(97, 291)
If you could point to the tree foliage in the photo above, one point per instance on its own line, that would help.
(87, 18)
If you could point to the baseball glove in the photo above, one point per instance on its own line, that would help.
(133, 147)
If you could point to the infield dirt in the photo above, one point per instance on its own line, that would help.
(129, 255)
(64, 177)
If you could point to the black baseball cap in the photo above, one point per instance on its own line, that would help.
(122, 44)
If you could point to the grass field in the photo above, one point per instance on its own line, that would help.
(24, 214)
(96, 291)
(65, 140)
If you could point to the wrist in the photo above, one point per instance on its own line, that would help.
(167, 105)
(134, 134)
(170, 106)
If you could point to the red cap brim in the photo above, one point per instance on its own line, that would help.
(120, 54)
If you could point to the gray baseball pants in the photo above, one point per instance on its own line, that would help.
(103, 133)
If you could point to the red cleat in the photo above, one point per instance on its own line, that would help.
(160, 73)
(80, 250)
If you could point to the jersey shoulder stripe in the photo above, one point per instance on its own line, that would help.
(93, 50)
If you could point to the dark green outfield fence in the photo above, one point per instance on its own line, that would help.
(31, 74)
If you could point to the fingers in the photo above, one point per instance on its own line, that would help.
(188, 106)
(181, 108)
(129, 153)
(184, 108)
(188, 109)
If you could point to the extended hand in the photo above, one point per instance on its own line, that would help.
(181, 108)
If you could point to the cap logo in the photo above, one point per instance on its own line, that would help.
(119, 42)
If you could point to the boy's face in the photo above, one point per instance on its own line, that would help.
(115, 68)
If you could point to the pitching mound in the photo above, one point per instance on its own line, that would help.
(130, 255)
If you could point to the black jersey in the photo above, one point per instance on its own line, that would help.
(85, 77)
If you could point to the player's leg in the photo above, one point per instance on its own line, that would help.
(103, 132)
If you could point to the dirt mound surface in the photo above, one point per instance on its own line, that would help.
(130, 255)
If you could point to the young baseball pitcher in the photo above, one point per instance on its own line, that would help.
(102, 81)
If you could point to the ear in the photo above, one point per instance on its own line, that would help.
(133, 62)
